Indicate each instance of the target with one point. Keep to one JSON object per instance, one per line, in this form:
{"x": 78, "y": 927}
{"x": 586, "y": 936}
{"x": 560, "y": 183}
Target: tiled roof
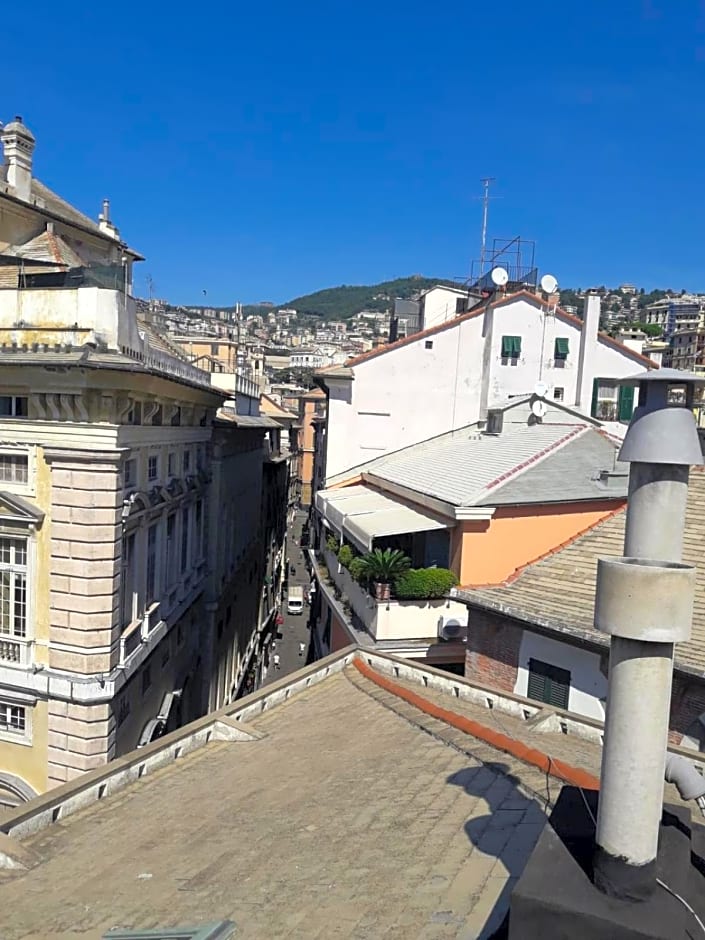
{"x": 46, "y": 198}
{"x": 558, "y": 591}
{"x": 478, "y": 311}
{"x": 468, "y": 468}
{"x": 47, "y": 246}
{"x": 160, "y": 341}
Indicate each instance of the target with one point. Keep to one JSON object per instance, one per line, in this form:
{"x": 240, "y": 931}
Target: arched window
{"x": 14, "y": 791}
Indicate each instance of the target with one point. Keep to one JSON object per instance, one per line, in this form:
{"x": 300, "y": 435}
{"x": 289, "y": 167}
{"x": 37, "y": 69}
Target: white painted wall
{"x": 410, "y": 393}
{"x": 587, "y": 684}
{"x": 440, "y": 305}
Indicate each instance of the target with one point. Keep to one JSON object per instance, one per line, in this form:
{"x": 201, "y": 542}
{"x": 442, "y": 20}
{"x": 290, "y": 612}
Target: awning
{"x": 363, "y": 514}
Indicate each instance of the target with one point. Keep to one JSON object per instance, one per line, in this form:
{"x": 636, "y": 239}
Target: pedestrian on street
{"x": 302, "y": 649}
{"x": 276, "y": 661}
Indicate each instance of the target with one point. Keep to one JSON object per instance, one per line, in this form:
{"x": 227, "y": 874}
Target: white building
{"x": 447, "y": 377}
{"x": 442, "y": 303}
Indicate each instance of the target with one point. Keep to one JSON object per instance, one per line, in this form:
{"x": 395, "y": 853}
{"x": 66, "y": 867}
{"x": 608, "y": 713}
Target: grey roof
{"x": 46, "y": 198}
{"x": 572, "y": 472}
{"x": 469, "y": 468}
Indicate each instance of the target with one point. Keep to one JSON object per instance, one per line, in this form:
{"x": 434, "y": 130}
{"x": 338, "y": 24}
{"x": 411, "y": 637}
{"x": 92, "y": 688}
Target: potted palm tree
{"x": 382, "y": 567}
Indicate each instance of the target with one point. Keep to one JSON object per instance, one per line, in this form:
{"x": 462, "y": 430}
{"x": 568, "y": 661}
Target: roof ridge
{"x": 535, "y": 458}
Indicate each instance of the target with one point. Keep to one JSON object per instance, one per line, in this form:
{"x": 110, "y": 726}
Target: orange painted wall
{"x": 489, "y": 552}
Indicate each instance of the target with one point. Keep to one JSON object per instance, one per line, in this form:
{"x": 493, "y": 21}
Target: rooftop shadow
{"x": 505, "y": 826}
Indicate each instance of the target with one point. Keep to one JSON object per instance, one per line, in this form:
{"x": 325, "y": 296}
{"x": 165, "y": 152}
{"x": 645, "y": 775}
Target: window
{"x": 128, "y": 580}
{"x": 130, "y": 473}
{"x": 185, "y": 515}
{"x": 151, "y": 563}
{"x": 560, "y": 352}
{"x": 171, "y": 550}
{"x": 146, "y": 679}
{"x": 171, "y": 465}
{"x": 13, "y": 587}
{"x": 123, "y": 710}
{"x": 13, "y": 718}
{"x": 165, "y": 651}
{"x": 548, "y": 684}
{"x": 153, "y": 468}
{"x": 511, "y": 347}
{"x": 558, "y": 393}
{"x": 199, "y": 458}
{"x": 157, "y": 417}
{"x": 605, "y": 400}
{"x": 198, "y": 531}
{"x": 13, "y": 406}
{"x": 460, "y": 304}
{"x": 176, "y": 417}
{"x": 214, "y": 349}
{"x": 428, "y": 344}
{"x": 187, "y": 461}
{"x": 13, "y": 468}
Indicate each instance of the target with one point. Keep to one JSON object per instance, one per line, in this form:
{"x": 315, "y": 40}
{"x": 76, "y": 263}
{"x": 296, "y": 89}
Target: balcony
{"x": 391, "y": 619}
{"x": 15, "y": 651}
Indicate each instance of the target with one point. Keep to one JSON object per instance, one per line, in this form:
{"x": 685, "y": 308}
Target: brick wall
{"x": 492, "y": 650}
{"x": 687, "y": 703}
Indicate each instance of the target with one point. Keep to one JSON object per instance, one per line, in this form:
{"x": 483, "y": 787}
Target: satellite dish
{"x": 538, "y": 408}
{"x": 499, "y": 276}
{"x": 548, "y": 284}
{"x": 541, "y": 389}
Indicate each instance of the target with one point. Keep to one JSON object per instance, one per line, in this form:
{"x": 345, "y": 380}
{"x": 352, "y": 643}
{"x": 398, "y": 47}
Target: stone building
{"x": 109, "y": 613}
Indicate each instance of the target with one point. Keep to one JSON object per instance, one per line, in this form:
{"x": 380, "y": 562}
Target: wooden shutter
{"x": 625, "y": 402}
{"x": 593, "y": 406}
{"x": 549, "y": 684}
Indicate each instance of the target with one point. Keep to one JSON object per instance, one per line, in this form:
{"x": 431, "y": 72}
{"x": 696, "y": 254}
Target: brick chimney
{"x": 18, "y": 146}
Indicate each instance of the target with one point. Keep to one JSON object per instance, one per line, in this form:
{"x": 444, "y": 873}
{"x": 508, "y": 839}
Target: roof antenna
{"x": 486, "y": 180}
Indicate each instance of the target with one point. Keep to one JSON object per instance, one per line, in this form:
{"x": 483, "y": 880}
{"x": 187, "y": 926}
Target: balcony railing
{"x": 15, "y": 651}
{"x": 130, "y": 641}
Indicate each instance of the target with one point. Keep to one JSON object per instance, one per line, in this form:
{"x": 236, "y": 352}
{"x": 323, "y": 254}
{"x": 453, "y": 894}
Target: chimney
{"x": 104, "y": 223}
{"x": 588, "y": 349}
{"x": 18, "y": 145}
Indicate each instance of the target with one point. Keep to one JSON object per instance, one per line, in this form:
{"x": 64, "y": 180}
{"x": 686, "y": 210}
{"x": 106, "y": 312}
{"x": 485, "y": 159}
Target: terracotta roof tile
{"x": 558, "y": 590}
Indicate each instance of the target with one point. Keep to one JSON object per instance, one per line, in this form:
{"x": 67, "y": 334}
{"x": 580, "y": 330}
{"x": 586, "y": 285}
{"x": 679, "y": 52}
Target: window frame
{"x": 510, "y": 348}
{"x": 152, "y": 478}
{"x": 556, "y": 683}
{"x": 21, "y": 735}
{"x": 15, "y": 412}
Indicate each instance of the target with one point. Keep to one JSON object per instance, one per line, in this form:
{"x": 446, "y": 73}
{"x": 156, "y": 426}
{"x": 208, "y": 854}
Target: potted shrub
{"x": 382, "y": 567}
{"x": 424, "y": 583}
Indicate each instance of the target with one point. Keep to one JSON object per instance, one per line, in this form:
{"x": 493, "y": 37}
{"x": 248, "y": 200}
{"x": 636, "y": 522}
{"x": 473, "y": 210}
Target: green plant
{"x": 424, "y": 583}
{"x": 357, "y": 570}
{"x": 384, "y": 566}
{"x": 345, "y": 555}
{"x": 332, "y": 544}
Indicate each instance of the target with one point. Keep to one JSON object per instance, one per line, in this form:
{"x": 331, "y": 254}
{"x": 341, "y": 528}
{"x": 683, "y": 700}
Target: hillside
{"x": 341, "y": 303}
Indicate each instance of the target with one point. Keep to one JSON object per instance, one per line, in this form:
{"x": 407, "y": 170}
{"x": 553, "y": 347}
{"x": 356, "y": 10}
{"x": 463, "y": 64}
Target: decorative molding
{"x": 149, "y": 409}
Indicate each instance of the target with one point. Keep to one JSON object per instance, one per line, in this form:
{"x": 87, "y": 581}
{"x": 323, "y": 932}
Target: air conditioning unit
{"x": 452, "y": 628}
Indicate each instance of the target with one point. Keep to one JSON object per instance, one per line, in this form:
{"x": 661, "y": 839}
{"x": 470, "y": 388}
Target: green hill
{"x": 341, "y": 303}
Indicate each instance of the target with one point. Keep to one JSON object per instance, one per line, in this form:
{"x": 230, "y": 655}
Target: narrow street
{"x": 294, "y": 630}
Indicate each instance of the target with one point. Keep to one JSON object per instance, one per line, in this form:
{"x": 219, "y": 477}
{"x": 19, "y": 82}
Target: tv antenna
{"x": 486, "y": 181}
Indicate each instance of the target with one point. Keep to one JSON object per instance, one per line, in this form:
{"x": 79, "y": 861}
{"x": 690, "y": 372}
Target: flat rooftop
{"x": 343, "y": 820}
{"x": 348, "y": 809}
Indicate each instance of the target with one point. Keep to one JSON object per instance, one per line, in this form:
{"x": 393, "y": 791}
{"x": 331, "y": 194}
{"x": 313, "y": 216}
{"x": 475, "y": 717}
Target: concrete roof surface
{"x": 344, "y": 819}
{"x": 559, "y": 590}
{"x": 549, "y": 462}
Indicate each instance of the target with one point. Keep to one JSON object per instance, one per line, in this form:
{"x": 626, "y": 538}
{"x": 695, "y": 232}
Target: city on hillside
{"x": 314, "y": 585}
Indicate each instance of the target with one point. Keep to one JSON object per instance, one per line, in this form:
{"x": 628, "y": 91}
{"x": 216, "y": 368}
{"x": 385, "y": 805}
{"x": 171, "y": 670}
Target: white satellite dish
{"x": 538, "y": 408}
{"x": 548, "y": 284}
{"x": 499, "y": 276}
{"x": 541, "y": 389}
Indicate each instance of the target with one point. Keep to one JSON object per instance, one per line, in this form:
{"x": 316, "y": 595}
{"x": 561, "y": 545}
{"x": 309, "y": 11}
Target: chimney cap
{"x": 18, "y": 127}
{"x": 670, "y": 376}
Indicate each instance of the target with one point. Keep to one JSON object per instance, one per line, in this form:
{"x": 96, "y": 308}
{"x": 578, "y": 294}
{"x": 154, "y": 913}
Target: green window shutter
{"x": 593, "y": 406}
{"x": 511, "y": 347}
{"x": 549, "y": 684}
{"x": 561, "y": 350}
{"x": 625, "y": 402}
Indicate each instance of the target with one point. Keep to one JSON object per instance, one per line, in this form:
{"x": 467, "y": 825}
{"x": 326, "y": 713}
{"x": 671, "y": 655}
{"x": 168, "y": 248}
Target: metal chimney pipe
{"x": 645, "y": 601}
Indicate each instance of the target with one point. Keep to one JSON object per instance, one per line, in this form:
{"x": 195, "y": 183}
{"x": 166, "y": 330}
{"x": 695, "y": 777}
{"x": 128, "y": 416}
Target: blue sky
{"x": 261, "y": 151}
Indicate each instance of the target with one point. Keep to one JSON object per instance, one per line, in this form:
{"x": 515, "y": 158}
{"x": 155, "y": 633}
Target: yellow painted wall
{"x": 489, "y": 552}
{"x": 29, "y": 763}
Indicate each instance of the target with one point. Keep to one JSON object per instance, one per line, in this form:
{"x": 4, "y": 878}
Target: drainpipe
{"x": 645, "y": 601}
